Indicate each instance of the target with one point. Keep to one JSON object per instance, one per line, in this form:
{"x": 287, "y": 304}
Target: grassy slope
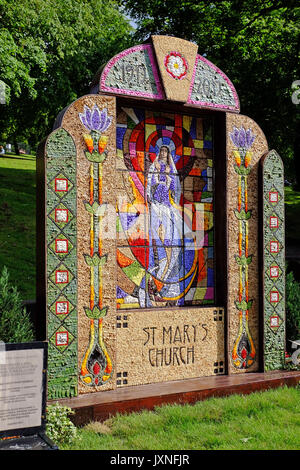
{"x": 260, "y": 421}
{"x": 17, "y": 221}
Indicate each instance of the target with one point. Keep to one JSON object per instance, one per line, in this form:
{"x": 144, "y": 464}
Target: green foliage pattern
{"x": 49, "y": 52}
{"x": 15, "y": 324}
{"x": 59, "y": 427}
{"x": 292, "y": 308}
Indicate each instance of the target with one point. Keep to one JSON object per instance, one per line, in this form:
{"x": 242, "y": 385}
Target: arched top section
{"x": 60, "y": 144}
{"x": 169, "y": 68}
{"x": 133, "y": 72}
{"x": 272, "y": 161}
{"x": 211, "y": 88}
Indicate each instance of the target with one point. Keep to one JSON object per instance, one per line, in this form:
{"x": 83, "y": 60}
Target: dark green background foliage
{"x": 49, "y": 51}
{"x": 292, "y": 308}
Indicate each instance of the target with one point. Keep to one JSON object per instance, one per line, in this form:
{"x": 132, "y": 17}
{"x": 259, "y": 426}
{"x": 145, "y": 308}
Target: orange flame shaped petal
{"x": 102, "y": 143}
{"x": 88, "y": 142}
{"x": 248, "y": 158}
{"x": 237, "y": 158}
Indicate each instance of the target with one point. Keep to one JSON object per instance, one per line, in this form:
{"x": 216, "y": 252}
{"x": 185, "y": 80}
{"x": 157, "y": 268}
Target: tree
{"x": 15, "y": 323}
{"x": 49, "y": 52}
{"x": 256, "y": 43}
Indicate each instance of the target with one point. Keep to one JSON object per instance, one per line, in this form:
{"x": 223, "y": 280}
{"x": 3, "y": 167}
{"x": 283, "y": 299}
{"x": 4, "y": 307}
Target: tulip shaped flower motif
{"x": 96, "y": 122}
{"x": 243, "y": 352}
{"x": 242, "y": 140}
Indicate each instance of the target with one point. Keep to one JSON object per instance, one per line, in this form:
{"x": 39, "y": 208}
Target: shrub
{"x": 292, "y": 308}
{"x": 15, "y": 324}
{"x": 59, "y": 427}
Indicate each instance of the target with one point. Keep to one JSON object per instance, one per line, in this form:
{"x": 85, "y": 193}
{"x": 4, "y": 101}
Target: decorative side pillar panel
{"x": 273, "y": 260}
{"x": 129, "y": 210}
{"x": 91, "y": 121}
{"x": 246, "y": 144}
{"x": 61, "y": 263}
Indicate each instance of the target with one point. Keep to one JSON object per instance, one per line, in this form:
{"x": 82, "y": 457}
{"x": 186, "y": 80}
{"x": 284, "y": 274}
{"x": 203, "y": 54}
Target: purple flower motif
{"x": 242, "y": 138}
{"x": 94, "y": 119}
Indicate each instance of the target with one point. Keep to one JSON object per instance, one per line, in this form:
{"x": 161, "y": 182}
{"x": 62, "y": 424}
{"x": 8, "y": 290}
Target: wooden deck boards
{"x": 100, "y": 405}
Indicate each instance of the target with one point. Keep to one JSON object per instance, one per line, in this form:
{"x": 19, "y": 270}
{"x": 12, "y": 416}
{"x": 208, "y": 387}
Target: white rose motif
{"x": 176, "y": 65}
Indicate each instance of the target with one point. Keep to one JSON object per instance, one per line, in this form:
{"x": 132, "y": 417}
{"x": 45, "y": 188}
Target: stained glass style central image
{"x": 164, "y": 186}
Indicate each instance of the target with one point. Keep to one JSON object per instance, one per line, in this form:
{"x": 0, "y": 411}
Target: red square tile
{"x": 61, "y": 277}
{"x": 61, "y": 338}
{"x": 61, "y": 184}
{"x": 61, "y": 245}
{"x": 273, "y": 196}
{"x": 61, "y": 215}
{"x": 62, "y": 307}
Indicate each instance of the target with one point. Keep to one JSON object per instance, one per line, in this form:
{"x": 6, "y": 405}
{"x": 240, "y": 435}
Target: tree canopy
{"x": 256, "y": 43}
{"x": 49, "y": 51}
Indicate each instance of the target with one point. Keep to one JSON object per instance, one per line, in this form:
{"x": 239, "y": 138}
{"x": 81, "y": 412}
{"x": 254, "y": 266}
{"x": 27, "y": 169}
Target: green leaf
{"x": 96, "y": 312}
{"x": 88, "y": 312}
{"x": 244, "y": 305}
{"x": 241, "y": 305}
{"x": 242, "y": 215}
{"x": 96, "y": 157}
{"x": 100, "y": 211}
{"x": 88, "y": 207}
{"x": 95, "y": 260}
{"x": 242, "y": 170}
{"x": 95, "y": 208}
{"x": 243, "y": 260}
{"x": 88, "y": 260}
{"x": 102, "y": 260}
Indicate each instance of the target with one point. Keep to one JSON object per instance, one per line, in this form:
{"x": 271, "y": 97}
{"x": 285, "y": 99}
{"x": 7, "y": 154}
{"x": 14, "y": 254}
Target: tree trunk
{"x": 297, "y": 156}
{"x": 16, "y": 146}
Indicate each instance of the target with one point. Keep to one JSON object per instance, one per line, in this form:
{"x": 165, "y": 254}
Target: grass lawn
{"x": 17, "y": 221}
{"x": 260, "y": 421}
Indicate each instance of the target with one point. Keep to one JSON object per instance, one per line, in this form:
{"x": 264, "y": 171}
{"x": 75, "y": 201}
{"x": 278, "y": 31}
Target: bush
{"x": 15, "y": 324}
{"x": 292, "y": 308}
{"x": 59, "y": 427}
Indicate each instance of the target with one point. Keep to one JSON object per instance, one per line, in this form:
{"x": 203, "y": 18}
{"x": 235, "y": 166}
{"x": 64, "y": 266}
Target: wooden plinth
{"x": 99, "y": 406}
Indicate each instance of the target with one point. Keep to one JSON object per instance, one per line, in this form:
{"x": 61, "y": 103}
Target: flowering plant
{"x": 243, "y": 140}
{"x": 176, "y": 65}
{"x": 96, "y": 122}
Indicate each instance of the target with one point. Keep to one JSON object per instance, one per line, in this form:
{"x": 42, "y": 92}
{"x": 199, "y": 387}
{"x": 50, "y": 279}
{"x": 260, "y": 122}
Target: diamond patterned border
{"x": 273, "y": 260}
{"x": 61, "y": 236}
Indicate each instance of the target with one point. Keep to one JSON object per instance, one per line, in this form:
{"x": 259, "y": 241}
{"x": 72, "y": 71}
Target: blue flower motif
{"x": 242, "y": 138}
{"x": 94, "y": 119}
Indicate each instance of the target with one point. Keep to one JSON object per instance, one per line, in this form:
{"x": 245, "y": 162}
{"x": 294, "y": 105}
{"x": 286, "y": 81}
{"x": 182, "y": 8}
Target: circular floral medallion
{"x": 176, "y": 65}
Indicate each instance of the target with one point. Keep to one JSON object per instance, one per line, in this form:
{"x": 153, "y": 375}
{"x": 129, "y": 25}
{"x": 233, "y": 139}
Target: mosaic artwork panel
{"x": 169, "y": 345}
{"x": 210, "y": 87}
{"x": 243, "y": 354}
{"x": 133, "y": 72}
{"x": 61, "y": 268}
{"x": 131, "y": 214}
{"x": 274, "y": 261}
{"x": 165, "y": 209}
{"x": 96, "y": 365}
